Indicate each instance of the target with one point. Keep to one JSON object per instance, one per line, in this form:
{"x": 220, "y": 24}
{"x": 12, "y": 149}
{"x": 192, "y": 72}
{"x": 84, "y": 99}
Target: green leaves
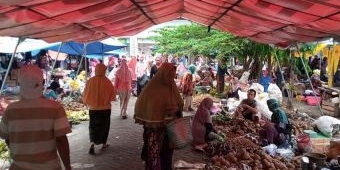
{"x": 194, "y": 39}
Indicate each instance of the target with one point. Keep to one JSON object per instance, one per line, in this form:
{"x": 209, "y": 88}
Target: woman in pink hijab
{"x": 122, "y": 85}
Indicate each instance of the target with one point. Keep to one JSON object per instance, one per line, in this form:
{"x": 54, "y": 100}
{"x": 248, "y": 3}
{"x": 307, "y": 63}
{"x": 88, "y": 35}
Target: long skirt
{"x": 220, "y": 84}
{"x": 99, "y": 126}
{"x": 187, "y": 102}
{"x": 156, "y": 151}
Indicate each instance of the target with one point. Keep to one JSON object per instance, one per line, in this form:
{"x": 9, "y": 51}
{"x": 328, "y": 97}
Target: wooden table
{"x": 328, "y": 107}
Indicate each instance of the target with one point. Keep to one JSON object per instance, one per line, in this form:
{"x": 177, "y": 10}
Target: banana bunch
{"x": 4, "y": 152}
{"x": 77, "y": 116}
{"x": 74, "y": 85}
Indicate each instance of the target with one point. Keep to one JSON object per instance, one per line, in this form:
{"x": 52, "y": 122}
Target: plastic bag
{"x": 325, "y": 124}
{"x": 257, "y": 87}
{"x": 303, "y": 143}
{"x": 244, "y": 78}
{"x": 274, "y": 92}
{"x": 262, "y": 107}
{"x": 285, "y": 153}
{"x": 270, "y": 149}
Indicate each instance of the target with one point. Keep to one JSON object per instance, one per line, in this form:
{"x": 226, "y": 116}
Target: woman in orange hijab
{"x": 98, "y": 94}
{"x": 159, "y": 103}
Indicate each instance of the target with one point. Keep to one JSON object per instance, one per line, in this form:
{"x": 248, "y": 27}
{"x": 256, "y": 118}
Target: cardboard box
{"x": 329, "y": 108}
{"x": 320, "y": 145}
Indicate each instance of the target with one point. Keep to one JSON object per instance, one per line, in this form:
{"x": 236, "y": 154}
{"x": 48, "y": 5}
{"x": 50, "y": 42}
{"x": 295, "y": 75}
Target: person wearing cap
{"x": 97, "y": 95}
{"x": 35, "y": 128}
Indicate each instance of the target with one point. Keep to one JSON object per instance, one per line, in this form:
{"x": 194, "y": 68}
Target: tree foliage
{"x": 193, "y": 40}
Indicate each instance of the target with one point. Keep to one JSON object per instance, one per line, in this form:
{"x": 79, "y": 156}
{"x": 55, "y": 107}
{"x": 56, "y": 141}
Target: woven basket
{"x": 179, "y": 132}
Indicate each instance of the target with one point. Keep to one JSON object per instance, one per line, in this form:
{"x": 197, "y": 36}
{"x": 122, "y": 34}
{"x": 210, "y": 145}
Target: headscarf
{"x": 278, "y": 116}
{"x": 273, "y": 104}
{"x": 316, "y": 72}
{"x": 159, "y": 94}
{"x": 205, "y": 105}
{"x": 187, "y": 83}
{"x": 200, "y": 119}
{"x": 192, "y": 69}
{"x": 124, "y": 72}
{"x": 132, "y": 64}
{"x": 99, "y": 91}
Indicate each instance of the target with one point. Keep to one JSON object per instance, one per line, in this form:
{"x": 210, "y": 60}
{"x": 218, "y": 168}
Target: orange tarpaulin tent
{"x": 280, "y": 22}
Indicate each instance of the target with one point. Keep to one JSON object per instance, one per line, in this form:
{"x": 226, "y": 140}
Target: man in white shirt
{"x": 141, "y": 73}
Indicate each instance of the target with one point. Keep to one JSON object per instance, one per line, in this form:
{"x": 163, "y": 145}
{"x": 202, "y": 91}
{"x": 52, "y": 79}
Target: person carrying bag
{"x": 158, "y": 104}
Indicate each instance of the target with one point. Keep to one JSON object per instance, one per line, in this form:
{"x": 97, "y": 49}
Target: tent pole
{"x": 48, "y": 78}
{"x": 81, "y": 61}
{"x": 283, "y": 78}
{"x": 331, "y": 71}
{"x": 82, "y": 57}
{"x": 86, "y": 70}
{"x": 85, "y": 64}
{"x": 10, "y": 63}
{"x": 310, "y": 82}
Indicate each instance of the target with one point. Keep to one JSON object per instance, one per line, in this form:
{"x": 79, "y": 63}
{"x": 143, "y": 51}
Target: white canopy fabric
{"x": 7, "y": 45}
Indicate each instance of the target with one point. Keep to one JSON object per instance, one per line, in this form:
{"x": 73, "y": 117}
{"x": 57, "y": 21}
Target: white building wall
{"x": 139, "y": 43}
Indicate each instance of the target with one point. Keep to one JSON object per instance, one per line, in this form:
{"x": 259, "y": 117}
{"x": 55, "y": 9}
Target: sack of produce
{"x": 274, "y": 92}
{"x": 325, "y": 124}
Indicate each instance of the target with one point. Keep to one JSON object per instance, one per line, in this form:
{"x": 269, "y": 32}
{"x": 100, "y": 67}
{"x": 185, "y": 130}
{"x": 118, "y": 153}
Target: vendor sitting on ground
{"x": 269, "y": 135}
{"x": 247, "y": 108}
{"x": 316, "y": 81}
{"x": 51, "y": 91}
{"x": 234, "y": 88}
{"x": 280, "y": 121}
{"x": 203, "y": 131}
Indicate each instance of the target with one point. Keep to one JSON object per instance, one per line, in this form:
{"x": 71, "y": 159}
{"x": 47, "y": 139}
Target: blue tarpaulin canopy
{"x": 98, "y": 47}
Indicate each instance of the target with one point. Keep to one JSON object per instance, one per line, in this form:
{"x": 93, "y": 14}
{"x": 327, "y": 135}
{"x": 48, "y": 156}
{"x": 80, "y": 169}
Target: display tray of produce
{"x": 197, "y": 99}
{"x": 76, "y": 112}
{"x": 242, "y": 149}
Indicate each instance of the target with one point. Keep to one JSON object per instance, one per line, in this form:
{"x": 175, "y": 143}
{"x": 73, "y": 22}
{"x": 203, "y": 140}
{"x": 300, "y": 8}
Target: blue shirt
{"x": 265, "y": 81}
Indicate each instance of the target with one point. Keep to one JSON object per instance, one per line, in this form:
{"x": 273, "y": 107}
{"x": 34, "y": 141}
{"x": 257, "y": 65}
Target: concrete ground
{"x": 125, "y": 141}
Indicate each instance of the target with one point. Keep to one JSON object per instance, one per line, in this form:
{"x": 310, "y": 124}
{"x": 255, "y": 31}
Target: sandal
{"x": 105, "y": 146}
{"x": 91, "y": 151}
{"x": 124, "y": 117}
{"x": 199, "y": 149}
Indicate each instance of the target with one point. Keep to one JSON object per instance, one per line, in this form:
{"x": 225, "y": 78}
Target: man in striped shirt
{"x": 35, "y": 128}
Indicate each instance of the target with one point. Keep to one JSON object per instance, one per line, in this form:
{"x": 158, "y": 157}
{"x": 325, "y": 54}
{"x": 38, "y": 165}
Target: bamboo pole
{"x": 10, "y": 63}
{"x": 48, "y": 78}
